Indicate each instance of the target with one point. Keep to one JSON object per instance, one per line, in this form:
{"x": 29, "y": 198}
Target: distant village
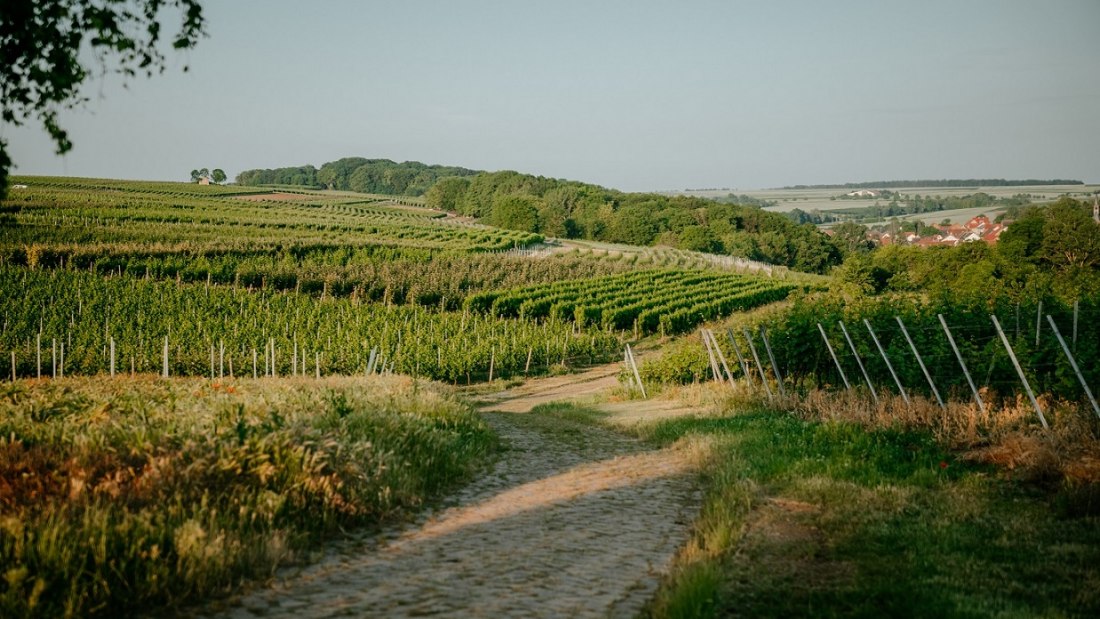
{"x": 977, "y": 229}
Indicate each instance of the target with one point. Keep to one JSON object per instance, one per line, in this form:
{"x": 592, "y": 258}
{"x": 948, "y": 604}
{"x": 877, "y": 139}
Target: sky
{"x": 636, "y": 95}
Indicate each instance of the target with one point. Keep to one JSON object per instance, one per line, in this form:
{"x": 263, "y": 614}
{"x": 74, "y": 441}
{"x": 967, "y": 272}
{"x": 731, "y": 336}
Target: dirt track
{"x": 572, "y": 521}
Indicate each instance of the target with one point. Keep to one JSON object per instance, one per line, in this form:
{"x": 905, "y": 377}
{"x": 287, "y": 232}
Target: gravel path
{"x": 572, "y": 521}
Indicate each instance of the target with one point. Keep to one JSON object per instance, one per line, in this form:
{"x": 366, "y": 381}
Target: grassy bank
{"x": 833, "y": 518}
{"x": 132, "y": 494}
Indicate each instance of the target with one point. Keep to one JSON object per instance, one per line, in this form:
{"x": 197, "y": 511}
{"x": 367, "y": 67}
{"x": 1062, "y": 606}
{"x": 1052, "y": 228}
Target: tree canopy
{"x": 383, "y": 176}
{"x": 571, "y": 209}
{"x": 41, "y": 44}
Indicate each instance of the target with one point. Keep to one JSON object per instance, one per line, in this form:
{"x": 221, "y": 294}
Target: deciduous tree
{"x": 44, "y": 56}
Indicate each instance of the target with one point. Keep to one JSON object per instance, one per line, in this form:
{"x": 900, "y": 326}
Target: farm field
{"x": 259, "y": 341}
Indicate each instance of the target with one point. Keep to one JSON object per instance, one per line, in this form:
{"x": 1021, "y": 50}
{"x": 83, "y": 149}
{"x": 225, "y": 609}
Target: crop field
{"x": 124, "y": 277}
{"x": 644, "y": 301}
{"x": 52, "y": 213}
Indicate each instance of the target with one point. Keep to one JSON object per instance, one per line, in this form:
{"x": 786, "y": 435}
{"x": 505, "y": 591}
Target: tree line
{"x": 574, "y": 210}
{"x": 384, "y": 176}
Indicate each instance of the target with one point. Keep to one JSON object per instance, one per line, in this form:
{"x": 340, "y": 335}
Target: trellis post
{"x": 1020, "y": 371}
{"x": 832, "y": 354}
{"x": 889, "y": 366}
{"x": 859, "y": 362}
{"x": 962, "y": 363}
{"x": 1073, "y": 363}
{"x": 756, "y": 357}
{"x": 771, "y": 357}
{"x": 920, "y": 362}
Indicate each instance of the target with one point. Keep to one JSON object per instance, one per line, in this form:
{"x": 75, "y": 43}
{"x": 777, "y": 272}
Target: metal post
{"x": 710, "y": 355}
{"x": 889, "y": 365}
{"x": 832, "y": 354}
{"x": 626, "y": 363}
{"x": 1020, "y": 371}
{"x": 859, "y": 362}
{"x": 756, "y": 357}
{"x": 740, "y": 358}
{"x": 1038, "y": 322}
{"x": 1073, "y": 363}
{"x": 637, "y": 375}
{"x": 966, "y": 372}
{"x": 920, "y": 362}
{"x": 771, "y": 357}
{"x": 165, "y": 364}
{"x": 1076, "y": 304}
{"x": 721, "y": 356}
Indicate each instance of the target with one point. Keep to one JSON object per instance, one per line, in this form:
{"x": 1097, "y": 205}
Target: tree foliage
{"x": 571, "y": 209}
{"x": 383, "y": 176}
{"x": 41, "y": 43}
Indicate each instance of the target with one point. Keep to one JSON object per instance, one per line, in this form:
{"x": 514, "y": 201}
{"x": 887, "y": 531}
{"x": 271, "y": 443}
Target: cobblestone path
{"x": 572, "y": 521}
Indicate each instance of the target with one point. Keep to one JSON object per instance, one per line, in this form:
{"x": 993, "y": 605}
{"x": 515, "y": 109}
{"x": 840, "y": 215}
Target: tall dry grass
{"x": 125, "y": 494}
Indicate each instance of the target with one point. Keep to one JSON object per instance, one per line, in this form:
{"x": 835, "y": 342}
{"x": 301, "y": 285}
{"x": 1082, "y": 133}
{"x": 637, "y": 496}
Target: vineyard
{"x": 60, "y": 218}
{"x": 942, "y": 349}
{"x": 645, "y": 302}
{"x": 223, "y": 331}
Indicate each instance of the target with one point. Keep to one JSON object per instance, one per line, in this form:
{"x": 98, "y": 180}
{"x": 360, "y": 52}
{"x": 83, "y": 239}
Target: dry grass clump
{"x": 120, "y": 494}
{"x": 1007, "y": 433}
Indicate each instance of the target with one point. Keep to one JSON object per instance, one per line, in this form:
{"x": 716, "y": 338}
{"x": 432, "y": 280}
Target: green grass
{"x": 125, "y": 495}
{"x": 832, "y": 520}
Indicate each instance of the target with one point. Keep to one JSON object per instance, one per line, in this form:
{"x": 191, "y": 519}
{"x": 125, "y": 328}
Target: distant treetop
{"x": 383, "y": 176}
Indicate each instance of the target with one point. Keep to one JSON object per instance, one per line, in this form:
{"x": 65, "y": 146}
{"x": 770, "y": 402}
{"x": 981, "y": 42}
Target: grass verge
{"x": 835, "y": 519}
{"x": 119, "y": 495}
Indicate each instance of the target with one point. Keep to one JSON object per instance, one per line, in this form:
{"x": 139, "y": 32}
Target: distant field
{"x": 822, "y": 199}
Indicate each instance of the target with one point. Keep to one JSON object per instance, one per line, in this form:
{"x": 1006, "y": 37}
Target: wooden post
{"x": 492, "y": 361}
{"x": 859, "y": 362}
{"x": 920, "y": 362}
{"x": 1020, "y": 371}
{"x": 710, "y": 355}
{"x": 889, "y": 365}
{"x": 294, "y": 359}
{"x": 1073, "y": 363}
{"x": 164, "y": 367}
{"x": 771, "y": 357}
{"x": 527, "y": 366}
{"x": 317, "y": 364}
{"x": 637, "y": 374}
{"x": 740, "y": 358}
{"x": 832, "y": 354}
{"x": 759, "y": 366}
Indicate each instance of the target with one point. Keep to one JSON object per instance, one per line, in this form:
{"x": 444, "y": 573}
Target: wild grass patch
{"x": 126, "y": 494}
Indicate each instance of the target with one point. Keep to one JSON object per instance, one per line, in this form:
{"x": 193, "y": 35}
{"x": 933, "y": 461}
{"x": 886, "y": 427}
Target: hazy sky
{"x": 635, "y": 95}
